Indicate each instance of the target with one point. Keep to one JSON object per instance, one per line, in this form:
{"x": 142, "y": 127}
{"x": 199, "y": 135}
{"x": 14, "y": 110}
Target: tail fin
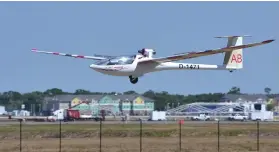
{"x": 234, "y": 60}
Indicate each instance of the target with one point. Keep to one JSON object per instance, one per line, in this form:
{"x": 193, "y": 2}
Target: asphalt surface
{"x": 3, "y": 122}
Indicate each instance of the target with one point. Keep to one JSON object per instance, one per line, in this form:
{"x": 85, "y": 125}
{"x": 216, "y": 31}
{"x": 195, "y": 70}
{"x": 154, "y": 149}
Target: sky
{"x": 122, "y": 28}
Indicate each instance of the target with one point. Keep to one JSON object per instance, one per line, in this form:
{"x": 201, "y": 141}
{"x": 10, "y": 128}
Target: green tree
{"x": 130, "y": 92}
{"x": 33, "y": 100}
{"x": 267, "y": 90}
{"x": 270, "y": 106}
{"x": 234, "y": 90}
{"x": 53, "y": 92}
{"x": 82, "y": 91}
{"x": 13, "y": 99}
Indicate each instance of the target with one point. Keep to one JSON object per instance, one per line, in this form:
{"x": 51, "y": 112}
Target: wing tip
{"x": 268, "y": 41}
{"x": 34, "y": 50}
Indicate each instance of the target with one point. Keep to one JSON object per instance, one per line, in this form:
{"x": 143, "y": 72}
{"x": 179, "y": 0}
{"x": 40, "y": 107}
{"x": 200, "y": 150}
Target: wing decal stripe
{"x": 80, "y": 56}
{"x": 69, "y": 55}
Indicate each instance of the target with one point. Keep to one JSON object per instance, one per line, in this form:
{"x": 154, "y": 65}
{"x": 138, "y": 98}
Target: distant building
{"x": 276, "y": 104}
{"x": 244, "y": 98}
{"x": 252, "y": 98}
{"x": 133, "y": 104}
{"x": 3, "y": 110}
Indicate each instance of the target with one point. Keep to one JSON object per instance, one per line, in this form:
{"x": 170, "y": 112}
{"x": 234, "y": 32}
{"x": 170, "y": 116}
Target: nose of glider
{"x": 92, "y": 66}
{"x": 96, "y": 68}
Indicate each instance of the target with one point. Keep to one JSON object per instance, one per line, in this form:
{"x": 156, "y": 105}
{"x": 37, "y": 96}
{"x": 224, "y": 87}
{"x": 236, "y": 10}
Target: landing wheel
{"x": 133, "y": 80}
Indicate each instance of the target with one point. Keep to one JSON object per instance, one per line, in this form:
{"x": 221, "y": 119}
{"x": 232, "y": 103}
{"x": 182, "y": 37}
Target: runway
{"x": 4, "y": 123}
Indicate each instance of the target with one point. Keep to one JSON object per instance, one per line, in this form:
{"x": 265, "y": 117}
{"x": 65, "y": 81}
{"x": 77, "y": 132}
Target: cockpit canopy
{"x": 120, "y": 60}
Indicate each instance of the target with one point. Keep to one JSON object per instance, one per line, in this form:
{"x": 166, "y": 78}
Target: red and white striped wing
{"x": 69, "y": 55}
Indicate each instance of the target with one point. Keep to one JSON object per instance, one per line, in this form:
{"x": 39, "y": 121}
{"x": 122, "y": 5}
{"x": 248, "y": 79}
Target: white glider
{"x": 135, "y": 66}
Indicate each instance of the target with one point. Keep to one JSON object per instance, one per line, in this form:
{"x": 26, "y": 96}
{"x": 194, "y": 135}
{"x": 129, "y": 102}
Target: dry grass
{"x": 128, "y": 144}
{"x": 125, "y": 138}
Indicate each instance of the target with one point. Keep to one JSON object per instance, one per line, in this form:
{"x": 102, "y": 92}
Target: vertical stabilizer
{"x": 233, "y": 60}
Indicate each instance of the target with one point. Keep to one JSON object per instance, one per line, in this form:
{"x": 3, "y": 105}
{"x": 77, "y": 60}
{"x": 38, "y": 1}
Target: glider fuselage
{"x": 138, "y": 69}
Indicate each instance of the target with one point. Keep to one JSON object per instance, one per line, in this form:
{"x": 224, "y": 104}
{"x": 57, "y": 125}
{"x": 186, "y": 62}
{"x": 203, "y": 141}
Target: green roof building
{"x": 133, "y": 104}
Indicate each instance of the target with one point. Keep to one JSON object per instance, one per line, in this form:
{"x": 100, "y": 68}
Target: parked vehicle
{"x": 65, "y": 115}
{"x": 157, "y": 116}
{"x": 262, "y": 116}
{"x": 201, "y": 117}
{"x": 70, "y": 115}
{"x": 238, "y": 117}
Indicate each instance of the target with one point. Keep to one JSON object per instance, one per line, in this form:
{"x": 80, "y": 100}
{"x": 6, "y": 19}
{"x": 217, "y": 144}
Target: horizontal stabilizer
{"x": 232, "y": 36}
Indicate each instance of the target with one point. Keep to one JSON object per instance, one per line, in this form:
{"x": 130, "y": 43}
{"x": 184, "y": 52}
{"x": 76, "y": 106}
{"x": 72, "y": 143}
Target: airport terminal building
{"x": 132, "y": 104}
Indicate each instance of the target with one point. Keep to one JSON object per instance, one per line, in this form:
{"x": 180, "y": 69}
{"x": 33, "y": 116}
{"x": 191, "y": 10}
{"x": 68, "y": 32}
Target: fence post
{"x": 20, "y": 134}
{"x": 258, "y": 135}
{"x": 101, "y": 135}
{"x": 218, "y": 128}
{"x": 140, "y": 135}
{"x": 180, "y": 135}
{"x": 180, "y": 122}
{"x": 60, "y": 135}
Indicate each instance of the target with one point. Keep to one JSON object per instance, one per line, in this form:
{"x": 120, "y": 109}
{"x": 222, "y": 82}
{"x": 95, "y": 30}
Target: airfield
{"x": 87, "y": 122}
{"x": 118, "y": 136}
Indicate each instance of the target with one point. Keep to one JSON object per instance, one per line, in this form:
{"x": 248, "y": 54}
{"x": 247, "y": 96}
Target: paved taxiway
{"x": 135, "y": 122}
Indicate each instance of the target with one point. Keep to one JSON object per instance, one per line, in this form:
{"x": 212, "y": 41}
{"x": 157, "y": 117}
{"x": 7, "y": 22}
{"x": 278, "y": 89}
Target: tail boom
{"x": 187, "y": 66}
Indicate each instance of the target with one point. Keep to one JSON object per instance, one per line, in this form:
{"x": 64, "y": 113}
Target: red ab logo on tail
{"x": 236, "y": 58}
